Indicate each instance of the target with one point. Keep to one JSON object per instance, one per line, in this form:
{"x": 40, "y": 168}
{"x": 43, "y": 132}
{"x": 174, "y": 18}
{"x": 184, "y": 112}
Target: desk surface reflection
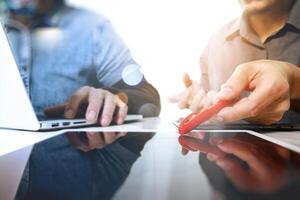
{"x": 160, "y": 166}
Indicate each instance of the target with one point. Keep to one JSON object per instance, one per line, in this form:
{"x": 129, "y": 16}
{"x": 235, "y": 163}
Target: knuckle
{"x": 115, "y": 98}
{"x": 254, "y": 108}
{"x": 283, "y": 89}
{"x": 81, "y": 92}
{"x": 109, "y": 96}
{"x": 86, "y": 88}
{"x": 273, "y": 88}
{"x": 75, "y": 96}
{"x": 99, "y": 90}
{"x": 92, "y": 90}
{"x": 97, "y": 94}
{"x": 228, "y": 118}
{"x": 106, "y": 92}
{"x": 93, "y": 94}
{"x": 254, "y": 112}
{"x": 241, "y": 68}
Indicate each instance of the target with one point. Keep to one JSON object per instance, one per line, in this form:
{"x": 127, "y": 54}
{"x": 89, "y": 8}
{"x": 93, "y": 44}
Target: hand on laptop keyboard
{"x": 102, "y": 106}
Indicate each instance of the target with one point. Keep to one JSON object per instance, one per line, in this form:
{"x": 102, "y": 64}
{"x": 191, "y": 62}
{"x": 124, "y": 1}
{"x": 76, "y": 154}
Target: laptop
{"x": 16, "y": 111}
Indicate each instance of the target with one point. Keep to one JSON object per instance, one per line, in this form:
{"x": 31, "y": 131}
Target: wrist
{"x": 294, "y": 83}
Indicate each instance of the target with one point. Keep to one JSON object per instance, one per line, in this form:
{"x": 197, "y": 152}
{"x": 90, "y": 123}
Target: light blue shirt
{"x": 74, "y": 48}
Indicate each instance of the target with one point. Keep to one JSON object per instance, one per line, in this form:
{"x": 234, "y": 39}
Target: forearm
{"x": 141, "y": 99}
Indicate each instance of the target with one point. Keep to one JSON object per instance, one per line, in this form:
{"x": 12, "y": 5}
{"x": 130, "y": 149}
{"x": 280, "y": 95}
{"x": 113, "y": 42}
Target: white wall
{"x": 166, "y": 37}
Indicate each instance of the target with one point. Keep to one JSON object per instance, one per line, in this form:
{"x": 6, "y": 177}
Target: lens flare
{"x": 132, "y": 75}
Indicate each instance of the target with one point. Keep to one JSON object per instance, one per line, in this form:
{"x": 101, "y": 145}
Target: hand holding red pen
{"x": 270, "y": 84}
{"x": 273, "y": 85}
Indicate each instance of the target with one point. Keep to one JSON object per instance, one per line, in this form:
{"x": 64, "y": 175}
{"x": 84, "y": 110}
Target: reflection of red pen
{"x": 199, "y": 144}
{"x": 195, "y": 119}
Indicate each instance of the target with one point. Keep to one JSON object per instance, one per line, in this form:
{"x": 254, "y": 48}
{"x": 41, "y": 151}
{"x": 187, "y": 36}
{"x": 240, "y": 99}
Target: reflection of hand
{"x": 194, "y": 141}
{"x": 101, "y": 105}
{"x": 91, "y": 140}
{"x": 266, "y": 167}
{"x": 269, "y": 83}
{"x": 194, "y": 96}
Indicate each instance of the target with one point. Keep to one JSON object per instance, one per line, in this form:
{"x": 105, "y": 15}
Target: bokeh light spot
{"x": 132, "y": 75}
{"x": 149, "y": 110}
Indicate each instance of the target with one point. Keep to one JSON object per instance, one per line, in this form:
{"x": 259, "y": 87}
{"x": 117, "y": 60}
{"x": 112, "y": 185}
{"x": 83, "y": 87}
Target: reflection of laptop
{"x": 16, "y": 111}
{"x": 12, "y": 166}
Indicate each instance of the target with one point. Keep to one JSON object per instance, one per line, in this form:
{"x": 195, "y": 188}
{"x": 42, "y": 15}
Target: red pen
{"x": 195, "y": 119}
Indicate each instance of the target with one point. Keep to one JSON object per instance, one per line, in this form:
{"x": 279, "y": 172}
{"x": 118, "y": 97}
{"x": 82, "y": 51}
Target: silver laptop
{"x": 16, "y": 111}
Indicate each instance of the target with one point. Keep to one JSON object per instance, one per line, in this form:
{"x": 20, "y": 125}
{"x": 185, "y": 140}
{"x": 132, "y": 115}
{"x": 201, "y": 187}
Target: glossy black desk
{"x": 161, "y": 166}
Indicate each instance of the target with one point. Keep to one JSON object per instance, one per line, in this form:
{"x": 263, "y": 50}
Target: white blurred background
{"x": 166, "y": 37}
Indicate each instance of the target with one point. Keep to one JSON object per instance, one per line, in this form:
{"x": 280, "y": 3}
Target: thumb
{"x": 187, "y": 80}
{"x": 237, "y": 82}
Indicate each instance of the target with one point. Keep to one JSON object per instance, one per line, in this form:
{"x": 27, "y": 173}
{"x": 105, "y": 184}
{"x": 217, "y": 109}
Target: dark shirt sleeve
{"x": 112, "y": 58}
{"x": 141, "y": 99}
